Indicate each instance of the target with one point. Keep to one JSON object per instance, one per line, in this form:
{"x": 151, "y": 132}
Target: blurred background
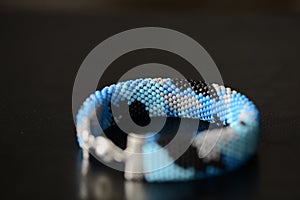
{"x": 226, "y": 6}
{"x": 255, "y": 44}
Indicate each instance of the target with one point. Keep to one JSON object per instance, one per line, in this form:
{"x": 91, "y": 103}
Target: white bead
{"x": 102, "y": 145}
{"x": 85, "y": 135}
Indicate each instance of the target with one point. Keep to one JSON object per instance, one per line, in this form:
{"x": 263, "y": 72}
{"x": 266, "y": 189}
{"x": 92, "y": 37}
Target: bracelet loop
{"x": 232, "y": 141}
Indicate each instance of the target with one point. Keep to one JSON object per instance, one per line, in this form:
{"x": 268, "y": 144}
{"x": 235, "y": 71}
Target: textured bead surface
{"x": 165, "y": 97}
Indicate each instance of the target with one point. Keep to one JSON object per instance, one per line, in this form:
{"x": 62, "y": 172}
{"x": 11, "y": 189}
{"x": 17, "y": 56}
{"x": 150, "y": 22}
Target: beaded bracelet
{"x": 150, "y": 98}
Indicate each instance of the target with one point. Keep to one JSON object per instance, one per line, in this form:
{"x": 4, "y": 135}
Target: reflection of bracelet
{"x": 147, "y": 98}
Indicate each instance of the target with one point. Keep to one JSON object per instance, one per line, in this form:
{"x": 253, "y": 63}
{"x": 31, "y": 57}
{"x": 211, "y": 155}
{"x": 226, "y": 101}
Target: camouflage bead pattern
{"x": 166, "y": 97}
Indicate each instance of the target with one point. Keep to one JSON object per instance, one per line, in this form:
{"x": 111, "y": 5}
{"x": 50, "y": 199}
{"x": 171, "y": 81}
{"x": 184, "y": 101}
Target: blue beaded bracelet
{"x": 147, "y": 98}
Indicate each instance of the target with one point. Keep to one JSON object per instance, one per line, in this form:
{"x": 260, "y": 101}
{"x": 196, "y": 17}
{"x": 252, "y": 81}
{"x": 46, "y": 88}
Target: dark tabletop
{"x": 41, "y": 53}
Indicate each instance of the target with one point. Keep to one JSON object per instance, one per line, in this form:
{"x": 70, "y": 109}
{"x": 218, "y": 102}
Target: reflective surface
{"x": 41, "y": 52}
{"x": 102, "y": 183}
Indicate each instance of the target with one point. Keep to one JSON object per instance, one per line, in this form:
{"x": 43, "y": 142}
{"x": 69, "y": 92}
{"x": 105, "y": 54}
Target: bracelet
{"x": 235, "y": 132}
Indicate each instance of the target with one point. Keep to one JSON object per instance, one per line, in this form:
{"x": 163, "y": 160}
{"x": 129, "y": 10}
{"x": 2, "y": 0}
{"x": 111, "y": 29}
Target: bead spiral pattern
{"x": 166, "y": 97}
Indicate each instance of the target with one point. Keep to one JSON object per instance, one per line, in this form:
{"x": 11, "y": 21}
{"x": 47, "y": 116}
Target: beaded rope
{"x": 166, "y": 97}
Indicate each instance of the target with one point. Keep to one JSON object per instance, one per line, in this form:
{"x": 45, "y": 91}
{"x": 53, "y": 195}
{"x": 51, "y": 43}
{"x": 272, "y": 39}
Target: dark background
{"x": 42, "y": 44}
